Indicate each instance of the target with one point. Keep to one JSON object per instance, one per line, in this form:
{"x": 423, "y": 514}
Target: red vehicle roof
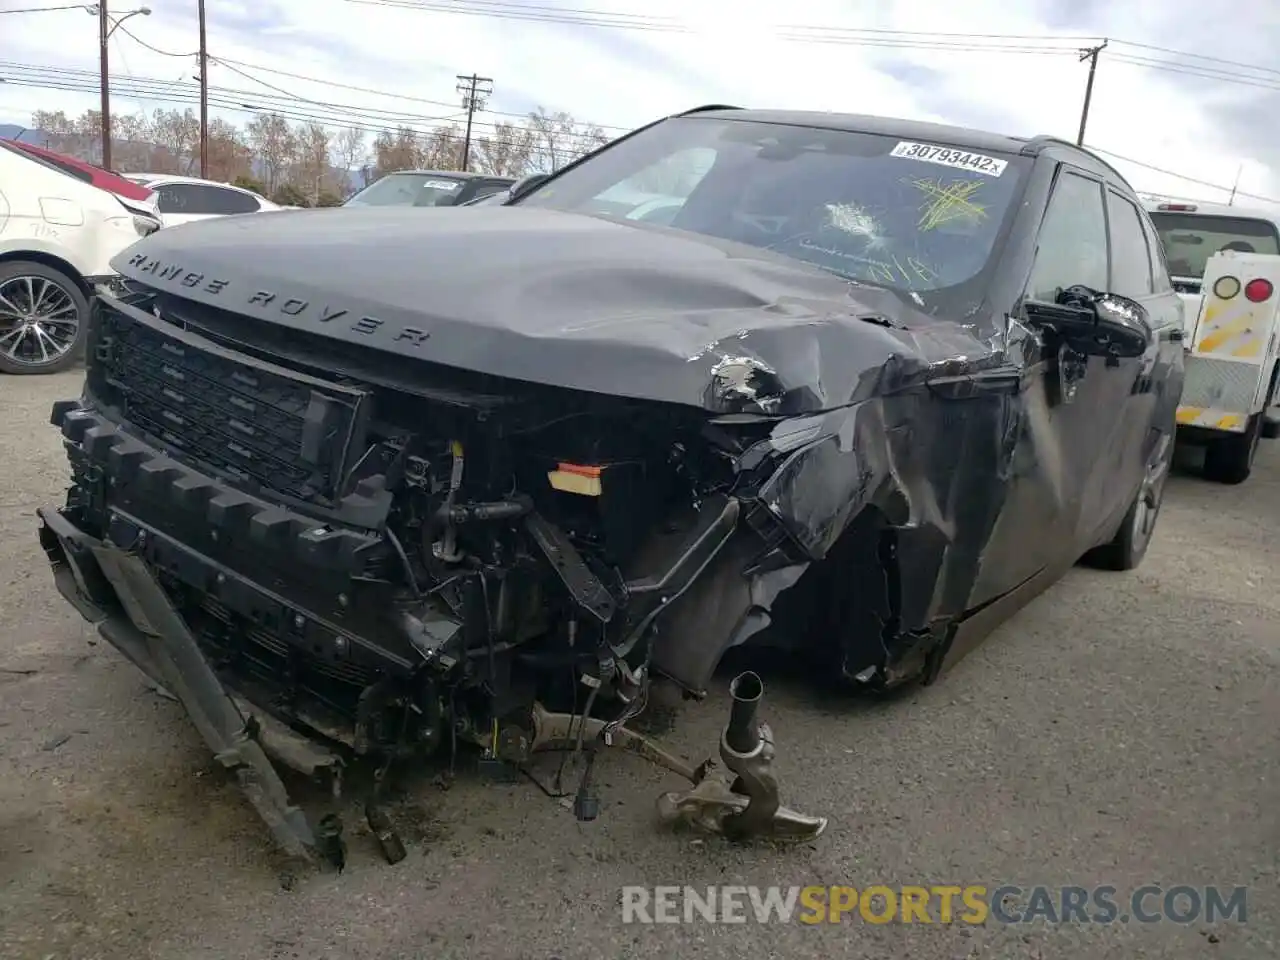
{"x": 87, "y": 172}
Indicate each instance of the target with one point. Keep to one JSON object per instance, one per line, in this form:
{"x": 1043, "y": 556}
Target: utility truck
{"x": 1224, "y": 262}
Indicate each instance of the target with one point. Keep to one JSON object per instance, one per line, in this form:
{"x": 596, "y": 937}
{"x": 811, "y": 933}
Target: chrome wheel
{"x": 39, "y": 320}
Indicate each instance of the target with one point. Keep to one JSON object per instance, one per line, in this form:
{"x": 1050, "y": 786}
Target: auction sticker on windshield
{"x": 949, "y": 157}
{"x": 441, "y": 185}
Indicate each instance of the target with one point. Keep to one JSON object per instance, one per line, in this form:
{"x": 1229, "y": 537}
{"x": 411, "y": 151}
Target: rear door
{"x": 1133, "y": 413}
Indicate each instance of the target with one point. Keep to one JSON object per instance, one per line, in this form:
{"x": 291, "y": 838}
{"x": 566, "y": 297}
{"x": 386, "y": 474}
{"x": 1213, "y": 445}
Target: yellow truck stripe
{"x": 1214, "y": 419}
{"x": 1222, "y": 334}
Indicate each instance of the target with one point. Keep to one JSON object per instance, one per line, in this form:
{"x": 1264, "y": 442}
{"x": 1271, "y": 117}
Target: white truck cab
{"x": 1224, "y": 262}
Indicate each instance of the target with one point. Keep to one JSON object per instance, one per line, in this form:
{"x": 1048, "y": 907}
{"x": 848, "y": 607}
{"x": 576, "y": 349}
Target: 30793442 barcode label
{"x": 949, "y": 157}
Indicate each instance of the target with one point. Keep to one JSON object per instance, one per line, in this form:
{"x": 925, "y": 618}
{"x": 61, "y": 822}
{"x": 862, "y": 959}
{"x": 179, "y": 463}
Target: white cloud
{"x": 734, "y": 53}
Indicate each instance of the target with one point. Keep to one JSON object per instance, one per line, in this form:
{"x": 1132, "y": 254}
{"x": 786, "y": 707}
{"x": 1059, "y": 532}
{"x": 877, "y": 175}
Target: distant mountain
{"x": 11, "y": 131}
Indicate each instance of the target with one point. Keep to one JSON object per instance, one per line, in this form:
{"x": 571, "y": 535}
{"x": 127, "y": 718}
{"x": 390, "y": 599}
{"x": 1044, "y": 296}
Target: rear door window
{"x": 1130, "y": 258}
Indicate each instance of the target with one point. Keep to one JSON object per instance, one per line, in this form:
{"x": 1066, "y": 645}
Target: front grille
{"x": 262, "y": 426}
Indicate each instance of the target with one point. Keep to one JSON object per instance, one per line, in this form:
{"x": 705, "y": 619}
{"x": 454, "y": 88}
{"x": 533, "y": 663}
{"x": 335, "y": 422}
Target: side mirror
{"x": 526, "y": 185}
{"x": 1093, "y": 323}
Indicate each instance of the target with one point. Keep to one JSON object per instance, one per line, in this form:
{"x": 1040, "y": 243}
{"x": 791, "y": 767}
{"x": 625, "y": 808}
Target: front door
{"x": 1061, "y": 426}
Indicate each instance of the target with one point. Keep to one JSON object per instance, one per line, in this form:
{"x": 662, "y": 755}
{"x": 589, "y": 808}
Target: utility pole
{"x": 204, "y": 99}
{"x": 1091, "y": 54}
{"x": 475, "y": 90}
{"x": 104, "y": 34}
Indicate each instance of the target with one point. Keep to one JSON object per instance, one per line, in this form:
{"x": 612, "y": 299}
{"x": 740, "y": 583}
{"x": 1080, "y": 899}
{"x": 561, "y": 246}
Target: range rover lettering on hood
{"x": 266, "y": 301}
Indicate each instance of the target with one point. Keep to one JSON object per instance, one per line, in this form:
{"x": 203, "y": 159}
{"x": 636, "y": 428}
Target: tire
{"x": 1270, "y": 429}
{"x": 1129, "y": 545}
{"x": 44, "y": 319}
{"x": 1230, "y": 460}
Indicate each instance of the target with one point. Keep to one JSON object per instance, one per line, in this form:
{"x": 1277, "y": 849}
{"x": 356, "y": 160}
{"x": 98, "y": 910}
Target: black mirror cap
{"x": 1094, "y": 323}
{"x": 1124, "y": 325}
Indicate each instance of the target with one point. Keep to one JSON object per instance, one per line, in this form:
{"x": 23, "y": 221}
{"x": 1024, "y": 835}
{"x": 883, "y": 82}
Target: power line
{"x": 233, "y": 99}
{"x": 384, "y": 93}
{"x": 69, "y": 6}
{"x": 31, "y": 76}
{"x": 164, "y": 53}
{"x": 1198, "y": 56}
{"x": 1180, "y": 176}
{"x": 574, "y": 140}
{"x": 1194, "y": 70}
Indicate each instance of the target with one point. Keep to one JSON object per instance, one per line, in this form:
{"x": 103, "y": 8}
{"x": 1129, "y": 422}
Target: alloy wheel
{"x": 39, "y": 320}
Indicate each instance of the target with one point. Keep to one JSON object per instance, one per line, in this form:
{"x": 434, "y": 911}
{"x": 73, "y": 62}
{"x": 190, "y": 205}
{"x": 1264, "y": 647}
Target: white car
{"x": 58, "y": 235}
{"x": 184, "y": 199}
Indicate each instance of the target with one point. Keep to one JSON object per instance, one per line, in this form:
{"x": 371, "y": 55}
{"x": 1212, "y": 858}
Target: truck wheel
{"x": 1230, "y": 460}
{"x": 43, "y": 318}
{"x": 1271, "y": 428}
{"x": 1129, "y": 545}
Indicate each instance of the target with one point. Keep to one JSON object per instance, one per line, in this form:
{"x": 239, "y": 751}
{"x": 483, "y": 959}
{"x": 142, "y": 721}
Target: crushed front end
{"x": 326, "y": 558}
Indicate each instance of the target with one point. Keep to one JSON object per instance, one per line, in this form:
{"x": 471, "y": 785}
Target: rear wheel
{"x": 43, "y": 318}
{"x": 1129, "y": 545}
{"x": 1230, "y": 460}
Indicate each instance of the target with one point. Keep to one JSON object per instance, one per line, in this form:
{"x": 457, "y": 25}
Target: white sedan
{"x": 184, "y": 199}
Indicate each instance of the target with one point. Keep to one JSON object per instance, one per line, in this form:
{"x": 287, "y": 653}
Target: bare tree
{"x": 351, "y": 150}
{"x": 396, "y": 150}
{"x": 274, "y": 146}
{"x": 312, "y": 162}
{"x": 60, "y": 132}
{"x": 558, "y": 139}
{"x": 270, "y": 151}
{"x": 229, "y": 155}
{"x": 177, "y": 134}
{"x": 507, "y": 153}
{"x": 442, "y": 150}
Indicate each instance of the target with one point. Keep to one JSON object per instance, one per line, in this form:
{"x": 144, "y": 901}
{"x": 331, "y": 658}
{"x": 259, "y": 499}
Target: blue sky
{"x": 1170, "y": 112}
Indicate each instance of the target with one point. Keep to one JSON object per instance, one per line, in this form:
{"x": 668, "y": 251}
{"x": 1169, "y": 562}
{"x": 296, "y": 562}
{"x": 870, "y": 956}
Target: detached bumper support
{"x": 154, "y": 636}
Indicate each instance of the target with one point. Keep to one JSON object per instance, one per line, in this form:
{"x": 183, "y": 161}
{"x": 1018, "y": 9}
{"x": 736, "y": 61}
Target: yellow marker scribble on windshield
{"x": 948, "y": 202}
{"x": 896, "y": 271}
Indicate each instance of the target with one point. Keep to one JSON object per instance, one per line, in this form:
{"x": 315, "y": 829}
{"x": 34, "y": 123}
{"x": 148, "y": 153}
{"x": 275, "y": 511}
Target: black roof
{"x": 918, "y": 130}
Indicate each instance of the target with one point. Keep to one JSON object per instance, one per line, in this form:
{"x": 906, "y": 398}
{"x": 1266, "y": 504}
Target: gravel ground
{"x": 1123, "y": 729}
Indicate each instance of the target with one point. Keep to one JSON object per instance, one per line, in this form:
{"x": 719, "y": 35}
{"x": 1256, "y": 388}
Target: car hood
{"x": 564, "y": 300}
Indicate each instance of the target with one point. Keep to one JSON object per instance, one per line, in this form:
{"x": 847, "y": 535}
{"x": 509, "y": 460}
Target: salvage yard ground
{"x": 1124, "y": 729}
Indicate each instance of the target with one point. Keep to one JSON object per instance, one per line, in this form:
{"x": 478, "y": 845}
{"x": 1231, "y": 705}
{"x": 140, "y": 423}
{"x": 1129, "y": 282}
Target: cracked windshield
{"x": 915, "y": 218}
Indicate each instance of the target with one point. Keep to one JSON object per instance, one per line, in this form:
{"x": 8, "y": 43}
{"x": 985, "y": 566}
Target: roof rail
{"x": 708, "y": 106}
{"x": 1035, "y": 144}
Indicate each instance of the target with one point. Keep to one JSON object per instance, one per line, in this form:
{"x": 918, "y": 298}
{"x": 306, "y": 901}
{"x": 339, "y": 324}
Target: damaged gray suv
{"x": 389, "y": 483}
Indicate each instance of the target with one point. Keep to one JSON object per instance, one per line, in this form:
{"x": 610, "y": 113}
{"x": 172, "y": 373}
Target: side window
{"x": 172, "y": 198}
{"x": 233, "y": 201}
{"x": 1159, "y": 264}
{"x": 1130, "y": 256}
{"x": 1072, "y": 247}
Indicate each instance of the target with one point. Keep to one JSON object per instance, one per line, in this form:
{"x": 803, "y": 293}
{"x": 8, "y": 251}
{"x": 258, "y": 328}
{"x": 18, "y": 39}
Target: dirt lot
{"x": 1125, "y": 729}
